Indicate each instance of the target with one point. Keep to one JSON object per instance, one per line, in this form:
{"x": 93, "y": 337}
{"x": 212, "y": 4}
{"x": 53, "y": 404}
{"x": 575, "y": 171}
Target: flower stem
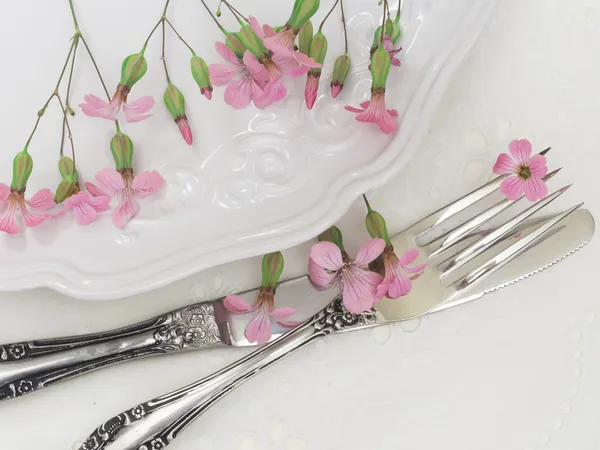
{"x": 164, "y": 60}
{"x": 398, "y": 12}
{"x": 179, "y": 36}
{"x": 328, "y": 14}
{"x": 74, "y": 16}
{"x": 385, "y": 4}
{"x": 234, "y": 11}
{"x": 166, "y": 6}
{"x": 70, "y": 135}
{"x": 367, "y": 203}
{"x": 345, "y": 30}
{"x": 225, "y": 32}
{"x": 67, "y": 100}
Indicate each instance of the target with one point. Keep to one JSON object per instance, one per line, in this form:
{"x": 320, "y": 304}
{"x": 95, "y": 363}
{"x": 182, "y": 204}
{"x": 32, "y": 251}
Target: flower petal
{"x": 84, "y": 214}
{"x": 360, "y": 289}
{"x": 5, "y": 192}
{"x": 256, "y": 69}
{"x": 100, "y": 203}
{"x": 227, "y": 54}
{"x": 8, "y": 222}
{"x": 94, "y": 190}
{"x": 320, "y": 276}
{"x": 299, "y": 71}
{"x": 110, "y": 181}
{"x": 185, "y": 130}
{"x": 42, "y": 200}
{"x": 353, "y": 109}
{"x": 505, "y": 165}
{"x": 259, "y": 329}
{"x": 268, "y": 30}
{"x": 126, "y": 210}
{"x": 138, "y": 109}
{"x": 369, "y": 251}
{"x": 537, "y": 166}
{"x": 408, "y": 257}
{"x": 94, "y": 106}
{"x": 327, "y": 255}
{"x": 512, "y": 187}
{"x": 415, "y": 269}
{"x": 520, "y": 149}
{"x": 259, "y": 97}
{"x": 31, "y": 219}
{"x": 146, "y": 183}
{"x": 238, "y": 93}
{"x": 236, "y": 304}
{"x": 401, "y": 285}
{"x": 283, "y": 312}
{"x": 221, "y": 74}
{"x": 306, "y": 60}
{"x": 256, "y": 27}
{"x": 535, "y": 189}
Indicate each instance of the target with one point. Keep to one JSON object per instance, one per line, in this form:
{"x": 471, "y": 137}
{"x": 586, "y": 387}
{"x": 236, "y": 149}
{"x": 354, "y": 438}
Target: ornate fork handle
{"x": 28, "y": 366}
{"x": 155, "y": 424}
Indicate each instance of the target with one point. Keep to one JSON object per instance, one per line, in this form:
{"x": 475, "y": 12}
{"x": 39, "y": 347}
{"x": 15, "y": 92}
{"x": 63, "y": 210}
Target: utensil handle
{"x": 156, "y": 423}
{"x": 29, "y": 366}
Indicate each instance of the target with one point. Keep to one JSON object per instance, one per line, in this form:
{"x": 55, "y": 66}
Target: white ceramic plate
{"x": 254, "y": 181}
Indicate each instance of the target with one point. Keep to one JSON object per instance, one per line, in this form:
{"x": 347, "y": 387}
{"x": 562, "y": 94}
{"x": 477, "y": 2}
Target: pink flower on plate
{"x": 244, "y": 82}
{"x": 259, "y": 330}
{"x": 85, "y": 207}
{"x": 135, "y": 111}
{"x": 526, "y": 172}
{"x": 278, "y": 65}
{"x": 396, "y": 282}
{"x": 328, "y": 265}
{"x": 125, "y": 187}
{"x": 374, "y": 111}
{"x": 13, "y": 201}
{"x": 282, "y": 44}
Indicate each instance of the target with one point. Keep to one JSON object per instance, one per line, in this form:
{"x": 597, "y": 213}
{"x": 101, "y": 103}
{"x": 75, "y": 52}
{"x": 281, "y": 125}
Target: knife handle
{"x": 156, "y": 423}
{"x": 26, "y": 367}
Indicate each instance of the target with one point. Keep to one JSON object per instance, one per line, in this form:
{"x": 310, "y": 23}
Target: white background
{"x": 516, "y": 370}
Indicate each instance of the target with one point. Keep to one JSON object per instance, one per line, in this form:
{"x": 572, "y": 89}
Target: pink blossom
{"x": 185, "y": 130}
{"x": 279, "y": 64}
{"x": 85, "y": 207}
{"x": 311, "y": 89}
{"x": 135, "y": 111}
{"x": 259, "y": 329}
{"x": 395, "y": 282}
{"x": 526, "y": 172}
{"x": 282, "y": 44}
{"x": 328, "y": 265}
{"x": 125, "y": 187}
{"x": 388, "y": 44}
{"x": 244, "y": 82}
{"x": 374, "y": 111}
{"x": 14, "y": 201}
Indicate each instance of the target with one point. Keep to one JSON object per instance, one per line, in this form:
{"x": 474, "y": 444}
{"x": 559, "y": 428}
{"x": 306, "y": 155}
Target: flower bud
{"x": 121, "y": 148}
{"x": 302, "y": 12}
{"x": 341, "y": 68}
{"x": 174, "y": 101}
{"x": 67, "y": 187}
{"x": 201, "y": 75}
{"x": 389, "y": 27}
{"x": 22, "y": 167}
{"x": 234, "y": 42}
{"x": 334, "y": 235}
{"x": 396, "y": 32}
{"x": 305, "y": 37}
{"x": 376, "y": 226}
{"x": 66, "y": 167}
{"x": 318, "y": 50}
{"x": 133, "y": 69}
{"x": 252, "y": 42}
{"x": 380, "y": 67}
{"x": 272, "y": 267}
{"x": 376, "y": 40}
{"x": 184, "y": 129}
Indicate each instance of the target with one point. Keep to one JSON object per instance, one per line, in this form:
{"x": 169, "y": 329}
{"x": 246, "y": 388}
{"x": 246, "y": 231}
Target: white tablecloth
{"x": 516, "y": 370}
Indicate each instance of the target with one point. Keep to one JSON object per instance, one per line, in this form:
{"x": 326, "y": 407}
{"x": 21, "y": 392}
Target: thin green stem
{"x": 164, "y": 60}
{"x": 367, "y": 203}
{"x": 328, "y": 14}
{"x": 383, "y": 24}
{"x": 214, "y": 18}
{"x": 70, "y": 135}
{"x": 67, "y": 99}
{"x": 345, "y": 30}
{"x": 398, "y": 12}
{"x": 74, "y": 16}
{"x": 148, "y": 38}
{"x": 234, "y": 11}
{"x": 166, "y": 6}
{"x": 179, "y": 36}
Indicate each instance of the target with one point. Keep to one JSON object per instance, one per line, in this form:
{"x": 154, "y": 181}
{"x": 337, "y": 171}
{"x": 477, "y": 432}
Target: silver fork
{"x": 470, "y": 267}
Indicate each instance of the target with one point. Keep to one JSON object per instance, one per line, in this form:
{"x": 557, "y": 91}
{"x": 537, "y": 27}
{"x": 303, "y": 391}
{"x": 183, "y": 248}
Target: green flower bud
{"x": 389, "y": 27}
{"x": 380, "y": 68}
{"x": 341, "y": 68}
{"x": 334, "y": 235}
{"x": 376, "y": 39}
{"x": 174, "y": 101}
{"x": 66, "y": 167}
{"x": 67, "y": 187}
{"x": 397, "y": 31}
{"x": 252, "y": 42}
{"x": 234, "y": 42}
{"x": 133, "y": 69}
{"x": 377, "y": 227}
{"x": 201, "y": 75}
{"x": 302, "y": 12}
{"x": 121, "y": 148}
{"x": 22, "y": 167}
{"x": 272, "y": 267}
{"x": 305, "y": 37}
{"x": 318, "y": 50}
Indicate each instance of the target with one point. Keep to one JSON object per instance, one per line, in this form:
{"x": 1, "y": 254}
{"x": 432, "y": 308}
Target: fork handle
{"x": 156, "y": 423}
{"x": 29, "y": 366}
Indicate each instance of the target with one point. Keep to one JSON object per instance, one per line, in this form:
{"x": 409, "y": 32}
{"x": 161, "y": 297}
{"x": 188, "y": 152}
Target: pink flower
{"x": 328, "y": 265}
{"x": 85, "y": 207}
{"x": 14, "y": 201}
{"x": 278, "y": 65}
{"x": 185, "y": 130}
{"x": 311, "y": 89}
{"x": 135, "y": 111}
{"x": 259, "y": 330}
{"x": 388, "y": 44}
{"x": 395, "y": 282}
{"x": 125, "y": 186}
{"x": 374, "y": 111}
{"x": 244, "y": 82}
{"x": 527, "y": 172}
{"x": 282, "y": 44}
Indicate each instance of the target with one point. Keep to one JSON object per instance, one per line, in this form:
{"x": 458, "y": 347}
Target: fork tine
{"x": 488, "y": 241}
{"x": 442, "y": 253}
{"x": 428, "y": 223}
{"x": 510, "y": 253}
